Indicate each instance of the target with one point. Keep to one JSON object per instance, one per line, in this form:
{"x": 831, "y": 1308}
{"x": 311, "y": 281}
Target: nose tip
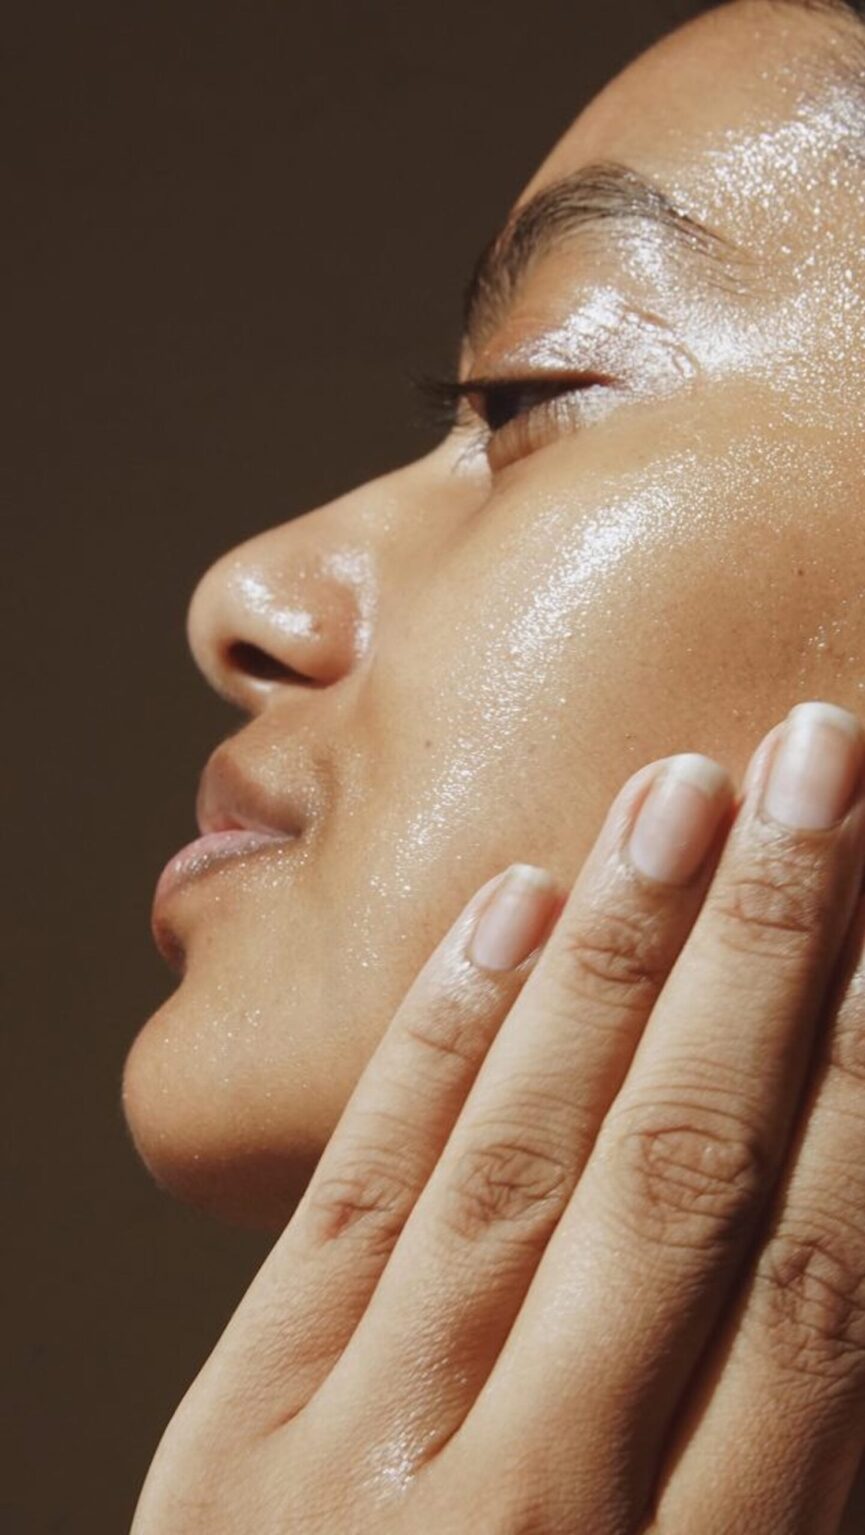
{"x": 255, "y": 628}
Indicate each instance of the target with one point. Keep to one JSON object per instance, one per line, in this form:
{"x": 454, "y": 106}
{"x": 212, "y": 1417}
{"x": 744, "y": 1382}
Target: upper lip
{"x": 229, "y": 799}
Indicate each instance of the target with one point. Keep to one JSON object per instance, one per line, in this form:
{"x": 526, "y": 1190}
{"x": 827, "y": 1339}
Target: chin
{"x": 203, "y": 1127}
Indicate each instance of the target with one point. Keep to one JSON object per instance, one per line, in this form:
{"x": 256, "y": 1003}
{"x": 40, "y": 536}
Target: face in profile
{"x": 644, "y": 534}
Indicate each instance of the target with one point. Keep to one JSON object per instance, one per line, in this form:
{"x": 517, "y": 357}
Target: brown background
{"x": 234, "y": 231}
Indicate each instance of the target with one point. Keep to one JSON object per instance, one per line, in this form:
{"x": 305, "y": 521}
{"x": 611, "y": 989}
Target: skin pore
{"x": 454, "y": 667}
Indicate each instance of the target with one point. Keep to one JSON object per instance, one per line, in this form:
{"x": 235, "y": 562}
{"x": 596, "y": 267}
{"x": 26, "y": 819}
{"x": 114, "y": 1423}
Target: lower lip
{"x": 208, "y": 852}
{"x": 191, "y": 863}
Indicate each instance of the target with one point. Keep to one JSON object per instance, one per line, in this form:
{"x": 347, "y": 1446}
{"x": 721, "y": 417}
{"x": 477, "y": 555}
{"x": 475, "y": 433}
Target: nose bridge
{"x": 299, "y": 604}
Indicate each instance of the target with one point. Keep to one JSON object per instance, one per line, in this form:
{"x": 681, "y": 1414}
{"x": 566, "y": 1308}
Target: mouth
{"x": 236, "y": 822}
{"x": 193, "y": 862}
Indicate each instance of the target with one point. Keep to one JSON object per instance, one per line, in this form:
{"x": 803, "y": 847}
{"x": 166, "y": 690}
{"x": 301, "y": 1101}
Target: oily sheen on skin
{"x": 471, "y": 654}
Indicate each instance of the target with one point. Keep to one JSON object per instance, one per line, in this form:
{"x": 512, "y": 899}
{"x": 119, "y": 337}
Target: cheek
{"x": 595, "y": 619}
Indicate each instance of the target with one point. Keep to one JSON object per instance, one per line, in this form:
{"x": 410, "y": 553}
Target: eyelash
{"x": 495, "y": 402}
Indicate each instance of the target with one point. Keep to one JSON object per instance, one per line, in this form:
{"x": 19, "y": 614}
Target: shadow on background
{"x": 235, "y": 231}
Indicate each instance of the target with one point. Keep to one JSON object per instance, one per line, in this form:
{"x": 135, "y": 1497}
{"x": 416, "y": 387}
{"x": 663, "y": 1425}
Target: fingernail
{"x": 513, "y": 923}
{"x": 679, "y": 817}
{"x": 816, "y": 768}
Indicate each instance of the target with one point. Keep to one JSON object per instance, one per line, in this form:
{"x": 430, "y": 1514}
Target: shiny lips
{"x": 236, "y": 817}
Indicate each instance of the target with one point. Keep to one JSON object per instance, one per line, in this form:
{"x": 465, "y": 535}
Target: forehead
{"x": 747, "y": 112}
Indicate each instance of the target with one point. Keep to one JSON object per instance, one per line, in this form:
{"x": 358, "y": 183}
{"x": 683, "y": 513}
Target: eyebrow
{"x": 605, "y": 192}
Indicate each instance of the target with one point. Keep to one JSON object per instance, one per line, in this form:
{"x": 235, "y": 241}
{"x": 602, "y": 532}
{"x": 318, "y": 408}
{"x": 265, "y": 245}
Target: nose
{"x": 283, "y": 610}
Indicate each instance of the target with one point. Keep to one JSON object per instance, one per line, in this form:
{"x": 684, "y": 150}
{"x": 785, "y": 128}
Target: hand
{"x": 586, "y": 1251}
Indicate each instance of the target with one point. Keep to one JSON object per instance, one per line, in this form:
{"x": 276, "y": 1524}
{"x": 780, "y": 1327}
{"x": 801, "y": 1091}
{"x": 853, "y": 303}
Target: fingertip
{"x": 515, "y": 920}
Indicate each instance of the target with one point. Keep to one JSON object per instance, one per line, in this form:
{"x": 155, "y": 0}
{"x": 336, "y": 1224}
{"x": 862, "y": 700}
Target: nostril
{"x": 260, "y": 664}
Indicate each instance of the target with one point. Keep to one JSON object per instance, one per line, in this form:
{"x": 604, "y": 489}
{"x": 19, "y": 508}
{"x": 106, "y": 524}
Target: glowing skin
{"x": 665, "y": 562}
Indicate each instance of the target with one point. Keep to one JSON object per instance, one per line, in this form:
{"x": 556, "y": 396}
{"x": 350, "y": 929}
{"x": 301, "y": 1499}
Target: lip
{"x": 234, "y": 795}
{"x": 205, "y": 853}
{"x": 239, "y": 816}
{"x": 195, "y": 860}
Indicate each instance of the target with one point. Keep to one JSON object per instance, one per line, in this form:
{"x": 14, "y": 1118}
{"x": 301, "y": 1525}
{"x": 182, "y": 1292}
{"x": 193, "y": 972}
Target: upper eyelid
{"x": 550, "y": 384}
{"x": 447, "y": 394}
{"x": 539, "y": 379}
{"x": 479, "y": 430}
{"x": 606, "y": 333}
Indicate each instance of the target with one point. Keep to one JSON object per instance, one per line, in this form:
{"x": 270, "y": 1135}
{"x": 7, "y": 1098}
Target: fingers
{"x": 783, "y": 1392}
{"x": 461, "y": 1268}
{"x": 304, "y": 1304}
{"x": 645, "y": 1255}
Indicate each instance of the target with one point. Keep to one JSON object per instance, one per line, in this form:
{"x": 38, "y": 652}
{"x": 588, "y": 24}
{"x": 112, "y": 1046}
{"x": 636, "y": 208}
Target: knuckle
{"x": 616, "y": 958}
{"x": 776, "y": 908}
{"x": 366, "y": 1193}
{"x": 446, "y": 1030}
{"x": 684, "y": 1177}
{"x": 504, "y": 1182}
{"x": 808, "y": 1308}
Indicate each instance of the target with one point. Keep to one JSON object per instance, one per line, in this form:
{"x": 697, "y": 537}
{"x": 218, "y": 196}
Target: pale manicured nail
{"x": 513, "y": 923}
{"x": 679, "y": 818}
{"x": 816, "y": 768}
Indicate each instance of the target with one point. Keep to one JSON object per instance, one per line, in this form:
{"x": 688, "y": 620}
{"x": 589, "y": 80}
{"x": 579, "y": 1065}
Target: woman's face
{"x": 455, "y": 666}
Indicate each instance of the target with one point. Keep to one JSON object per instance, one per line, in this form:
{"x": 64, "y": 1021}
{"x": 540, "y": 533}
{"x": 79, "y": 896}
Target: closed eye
{"x": 510, "y": 417}
{"x": 499, "y": 400}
